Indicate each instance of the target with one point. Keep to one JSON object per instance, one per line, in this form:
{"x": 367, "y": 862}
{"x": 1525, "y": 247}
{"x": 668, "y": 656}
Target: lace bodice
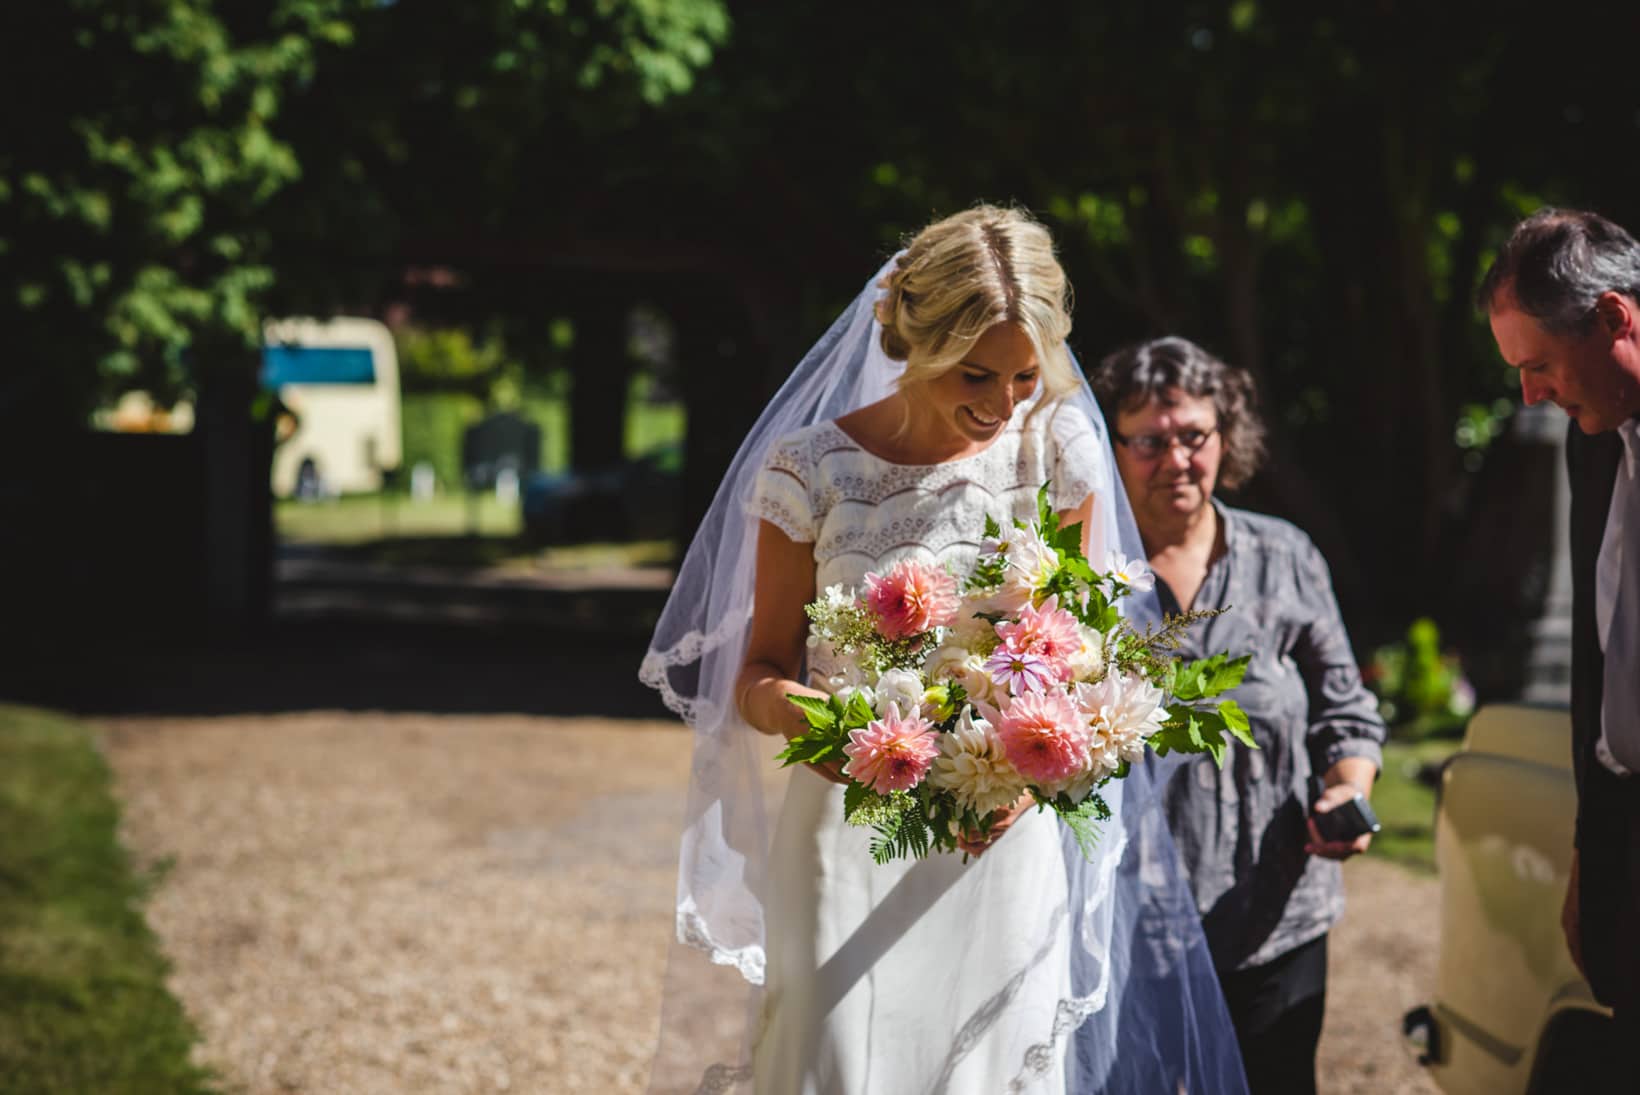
{"x": 864, "y": 513}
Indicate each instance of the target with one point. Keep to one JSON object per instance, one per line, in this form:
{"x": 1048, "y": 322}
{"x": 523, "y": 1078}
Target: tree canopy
{"x": 1309, "y": 191}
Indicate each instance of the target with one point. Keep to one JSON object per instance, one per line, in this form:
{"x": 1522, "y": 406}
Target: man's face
{"x": 1593, "y": 377}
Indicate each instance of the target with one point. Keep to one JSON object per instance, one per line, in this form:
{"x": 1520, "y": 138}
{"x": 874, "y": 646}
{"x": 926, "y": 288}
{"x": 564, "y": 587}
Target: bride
{"x": 943, "y": 395}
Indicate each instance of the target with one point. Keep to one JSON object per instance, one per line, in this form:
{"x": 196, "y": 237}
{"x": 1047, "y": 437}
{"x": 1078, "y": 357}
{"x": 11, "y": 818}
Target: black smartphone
{"x": 1343, "y": 822}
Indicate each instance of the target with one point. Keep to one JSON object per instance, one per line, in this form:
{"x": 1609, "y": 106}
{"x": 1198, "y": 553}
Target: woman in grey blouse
{"x": 1267, "y": 886}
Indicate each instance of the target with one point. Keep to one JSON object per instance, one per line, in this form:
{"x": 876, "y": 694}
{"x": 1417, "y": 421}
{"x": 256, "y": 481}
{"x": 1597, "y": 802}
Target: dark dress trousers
{"x": 1608, "y": 810}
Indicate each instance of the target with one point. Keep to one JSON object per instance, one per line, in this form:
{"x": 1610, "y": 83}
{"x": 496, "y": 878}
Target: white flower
{"x": 1124, "y": 711}
{"x": 900, "y": 687}
{"x": 1031, "y": 562}
{"x": 972, "y": 631}
{"x": 836, "y": 597}
{"x": 973, "y": 766}
{"x": 848, "y": 692}
{"x": 1133, "y": 573}
{"x": 996, "y": 547}
{"x": 1088, "y": 663}
{"x": 945, "y": 664}
{"x": 952, "y": 662}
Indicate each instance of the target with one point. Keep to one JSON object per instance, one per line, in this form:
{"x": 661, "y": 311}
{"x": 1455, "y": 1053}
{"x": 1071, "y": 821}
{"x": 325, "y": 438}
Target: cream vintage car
{"x": 1511, "y": 1014}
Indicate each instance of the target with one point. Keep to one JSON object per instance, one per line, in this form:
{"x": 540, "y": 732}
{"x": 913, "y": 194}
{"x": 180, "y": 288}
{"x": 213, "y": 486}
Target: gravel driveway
{"x": 395, "y": 903}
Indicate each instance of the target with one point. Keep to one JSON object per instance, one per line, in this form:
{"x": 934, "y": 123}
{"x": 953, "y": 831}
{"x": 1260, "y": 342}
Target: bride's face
{"x": 976, "y": 397}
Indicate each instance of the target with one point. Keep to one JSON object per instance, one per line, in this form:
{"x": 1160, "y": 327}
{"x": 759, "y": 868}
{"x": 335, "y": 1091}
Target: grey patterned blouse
{"x": 1241, "y": 830}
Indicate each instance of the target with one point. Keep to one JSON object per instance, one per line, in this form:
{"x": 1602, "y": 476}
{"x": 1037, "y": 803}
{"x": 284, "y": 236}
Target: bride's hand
{"x": 975, "y": 842}
{"x": 796, "y": 725}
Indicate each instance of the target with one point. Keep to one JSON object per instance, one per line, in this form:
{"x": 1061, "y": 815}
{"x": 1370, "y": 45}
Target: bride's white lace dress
{"x": 930, "y": 976}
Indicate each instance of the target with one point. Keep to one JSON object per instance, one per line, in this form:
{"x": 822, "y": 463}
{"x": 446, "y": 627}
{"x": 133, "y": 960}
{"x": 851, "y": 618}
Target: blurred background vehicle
{"x": 1511, "y": 1014}
{"x": 339, "y": 381}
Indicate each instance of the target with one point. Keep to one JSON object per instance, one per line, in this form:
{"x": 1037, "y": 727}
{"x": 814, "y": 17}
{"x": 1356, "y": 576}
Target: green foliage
{"x": 432, "y": 429}
{"x": 1208, "y": 676}
{"x": 433, "y": 423}
{"x": 83, "y": 1002}
{"x": 128, "y": 230}
{"x": 1082, "y": 819}
{"x": 1404, "y": 798}
{"x": 189, "y": 165}
{"x": 830, "y": 720}
{"x": 1421, "y": 689}
{"x": 903, "y": 833}
{"x": 449, "y": 359}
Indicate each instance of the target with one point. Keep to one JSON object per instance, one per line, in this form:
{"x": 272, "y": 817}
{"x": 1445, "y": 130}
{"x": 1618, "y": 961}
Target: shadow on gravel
{"x": 369, "y": 637}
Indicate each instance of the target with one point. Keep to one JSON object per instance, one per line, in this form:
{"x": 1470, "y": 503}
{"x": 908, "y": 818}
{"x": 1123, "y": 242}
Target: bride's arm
{"x": 1093, "y": 545}
{"x": 774, "y": 652}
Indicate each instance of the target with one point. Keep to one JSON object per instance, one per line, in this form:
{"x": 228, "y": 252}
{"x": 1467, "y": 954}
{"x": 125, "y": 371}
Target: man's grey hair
{"x": 1557, "y": 263}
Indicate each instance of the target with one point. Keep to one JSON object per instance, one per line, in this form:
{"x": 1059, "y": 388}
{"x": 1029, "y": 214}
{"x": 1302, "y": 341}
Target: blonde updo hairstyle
{"x": 961, "y": 276}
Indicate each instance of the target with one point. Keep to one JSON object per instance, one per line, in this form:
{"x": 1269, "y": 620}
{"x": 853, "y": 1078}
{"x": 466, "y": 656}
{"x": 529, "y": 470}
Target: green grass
{"x": 359, "y": 518}
{"x": 83, "y": 1002}
{"x": 1405, "y": 805}
{"x": 433, "y": 424}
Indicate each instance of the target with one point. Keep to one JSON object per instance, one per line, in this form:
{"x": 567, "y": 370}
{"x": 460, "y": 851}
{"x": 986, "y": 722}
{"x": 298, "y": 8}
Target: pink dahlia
{"x": 892, "y": 753}
{"x": 911, "y": 598}
{"x": 1045, "y": 736}
{"x": 1047, "y": 631}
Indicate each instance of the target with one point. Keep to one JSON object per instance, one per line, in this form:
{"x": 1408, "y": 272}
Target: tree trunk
{"x": 726, "y": 381}
{"x": 600, "y": 373}
{"x": 238, "y": 496}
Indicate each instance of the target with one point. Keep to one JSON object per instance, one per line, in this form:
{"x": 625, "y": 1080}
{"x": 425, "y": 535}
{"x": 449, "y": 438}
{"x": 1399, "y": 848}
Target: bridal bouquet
{"x": 955, "y": 696}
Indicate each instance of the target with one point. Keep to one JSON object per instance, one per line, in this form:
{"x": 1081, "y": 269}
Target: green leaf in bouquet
{"x": 1060, "y": 584}
{"x": 1235, "y": 721}
{"x": 992, "y": 529}
{"x": 863, "y": 806}
{"x": 1068, "y": 541}
{"x": 815, "y": 747}
{"x": 1226, "y": 675}
{"x": 1082, "y": 819}
{"x": 904, "y": 833}
{"x": 1080, "y": 569}
{"x": 987, "y": 573}
{"x": 1046, "y": 517}
{"x": 1209, "y": 730}
{"x": 1190, "y": 678}
{"x": 858, "y": 714}
{"x": 1181, "y": 733}
{"x": 821, "y": 712}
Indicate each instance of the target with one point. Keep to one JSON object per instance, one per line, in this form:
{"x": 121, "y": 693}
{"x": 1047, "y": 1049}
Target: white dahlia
{"x": 973, "y": 766}
{"x": 1088, "y": 663}
{"x": 1124, "y": 711}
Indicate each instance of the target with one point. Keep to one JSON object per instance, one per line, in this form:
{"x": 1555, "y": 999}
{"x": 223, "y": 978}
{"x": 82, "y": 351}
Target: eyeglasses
{"x": 1151, "y": 445}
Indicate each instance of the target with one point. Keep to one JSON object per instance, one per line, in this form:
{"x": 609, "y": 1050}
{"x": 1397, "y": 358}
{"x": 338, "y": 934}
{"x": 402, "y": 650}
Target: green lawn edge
{"x": 83, "y": 1001}
{"x": 1404, "y": 800}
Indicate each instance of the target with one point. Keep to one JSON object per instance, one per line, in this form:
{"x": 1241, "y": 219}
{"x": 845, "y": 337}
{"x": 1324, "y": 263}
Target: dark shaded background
{"x": 1310, "y": 191}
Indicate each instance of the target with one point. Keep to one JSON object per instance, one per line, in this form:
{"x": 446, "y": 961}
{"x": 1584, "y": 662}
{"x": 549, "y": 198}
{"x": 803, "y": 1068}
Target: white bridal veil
{"x": 1144, "y": 1012}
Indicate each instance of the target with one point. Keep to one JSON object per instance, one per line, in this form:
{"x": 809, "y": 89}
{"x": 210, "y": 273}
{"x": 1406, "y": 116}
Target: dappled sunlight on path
{"x": 400, "y": 903}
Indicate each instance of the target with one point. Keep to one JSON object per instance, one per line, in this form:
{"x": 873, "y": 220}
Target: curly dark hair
{"x": 1131, "y": 377}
